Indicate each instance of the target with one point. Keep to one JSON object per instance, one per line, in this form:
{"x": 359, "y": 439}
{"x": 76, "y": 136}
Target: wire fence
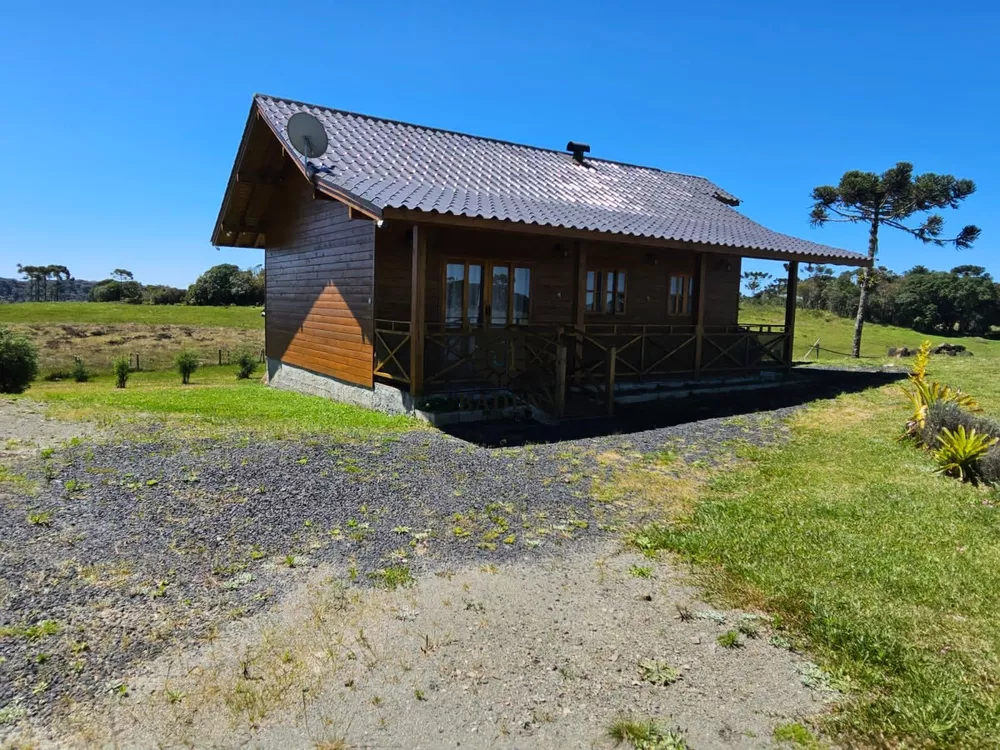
{"x": 815, "y": 349}
{"x": 136, "y": 359}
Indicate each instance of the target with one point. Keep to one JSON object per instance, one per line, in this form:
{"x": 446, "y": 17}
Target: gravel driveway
{"x": 111, "y": 552}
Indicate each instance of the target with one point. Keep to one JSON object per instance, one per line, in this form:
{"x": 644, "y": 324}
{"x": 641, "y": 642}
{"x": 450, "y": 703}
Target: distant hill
{"x": 16, "y": 290}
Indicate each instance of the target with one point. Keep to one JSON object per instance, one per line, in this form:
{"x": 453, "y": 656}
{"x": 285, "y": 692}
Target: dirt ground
{"x": 533, "y": 651}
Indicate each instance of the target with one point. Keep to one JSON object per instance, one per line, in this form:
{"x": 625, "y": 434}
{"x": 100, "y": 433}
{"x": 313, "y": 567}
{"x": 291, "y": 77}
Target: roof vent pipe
{"x": 578, "y": 150}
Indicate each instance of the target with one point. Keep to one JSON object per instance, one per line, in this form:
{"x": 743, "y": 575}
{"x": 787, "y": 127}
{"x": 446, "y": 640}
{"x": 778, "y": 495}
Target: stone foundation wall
{"x": 382, "y": 398}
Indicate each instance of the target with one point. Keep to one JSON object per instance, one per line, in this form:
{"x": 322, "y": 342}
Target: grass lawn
{"x": 888, "y": 572}
{"x": 213, "y": 402}
{"x": 98, "y": 332}
{"x": 117, "y": 312}
{"x": 837, "y": 333}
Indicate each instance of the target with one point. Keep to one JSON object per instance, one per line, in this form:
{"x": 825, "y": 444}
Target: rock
{"x": 901, "y": 351}
{"x": 950, "y": 349}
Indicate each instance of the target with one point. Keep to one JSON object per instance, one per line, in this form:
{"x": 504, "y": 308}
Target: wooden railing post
{"x": 699, "y": 320}
{"x": 418, "y": 307}
{"x": 610, "y": 384}
{"x": 560, "y": 395}
{"x": 791, "y": 301}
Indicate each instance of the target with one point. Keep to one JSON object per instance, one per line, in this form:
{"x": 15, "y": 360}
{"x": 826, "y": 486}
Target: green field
{"x": 43, "y": 313}
{"x": 886, "y": 572}
{"x": 215, "y": 402}
{"x": 98, "y": 332}
{"x": 837, "y": 334}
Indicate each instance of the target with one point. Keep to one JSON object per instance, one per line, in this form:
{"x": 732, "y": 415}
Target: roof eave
{"x": 506, "y": 225}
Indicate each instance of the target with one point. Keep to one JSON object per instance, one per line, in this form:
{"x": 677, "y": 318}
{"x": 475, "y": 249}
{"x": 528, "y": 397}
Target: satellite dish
{"x": 307, "y": 134}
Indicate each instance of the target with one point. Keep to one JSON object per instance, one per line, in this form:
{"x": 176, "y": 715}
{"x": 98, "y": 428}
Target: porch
{"x": 559, "y": 326}
{"x": 570, "y": 371}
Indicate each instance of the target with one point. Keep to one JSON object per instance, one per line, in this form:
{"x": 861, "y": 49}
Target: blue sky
{"x": 119, "y": 122}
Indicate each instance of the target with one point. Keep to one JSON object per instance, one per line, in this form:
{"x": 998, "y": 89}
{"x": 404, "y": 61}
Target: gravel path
{"x": 112, "y": 552}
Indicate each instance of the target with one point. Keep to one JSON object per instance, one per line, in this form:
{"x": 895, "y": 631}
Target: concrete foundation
{"x": 382, "y": 398}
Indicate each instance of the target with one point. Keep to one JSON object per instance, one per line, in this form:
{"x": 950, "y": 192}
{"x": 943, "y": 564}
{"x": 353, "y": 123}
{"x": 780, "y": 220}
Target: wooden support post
{"x": 791, "y": 301}
{"x": 560, "y": 396}
{"x": 610, "y": 385}
{"x": 418, "y": 309}
{"x": 579, "y": 307}
{"x": 699, "y": 318}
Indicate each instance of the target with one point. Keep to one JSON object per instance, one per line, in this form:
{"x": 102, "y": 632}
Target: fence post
{"x": 610, "y": 385}
{"x": 560, "y": 379}
{"x": 138, "y": 367}
{"x": 220, "y": 357}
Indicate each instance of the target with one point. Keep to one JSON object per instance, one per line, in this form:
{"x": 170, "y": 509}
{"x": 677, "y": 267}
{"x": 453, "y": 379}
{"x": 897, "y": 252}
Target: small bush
{"x": 57, "y": 375}
{"x": 989, "y": 465}
{"x": 18, "y": 361}
{"x": 122, "y": 370}
{"x": 247, "y": 364}
{"x": 960, "y": 451}
{"x": 187, "y": 363}
{"x": 80, "y": 373}
{"x": 927, "y": 393}
{"x": 948, "y": 415}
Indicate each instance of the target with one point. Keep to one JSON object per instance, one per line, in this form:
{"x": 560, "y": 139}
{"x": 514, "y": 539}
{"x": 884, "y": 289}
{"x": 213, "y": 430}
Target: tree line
{"x": 964, "y": 301}
{"x": 223, "y": 284}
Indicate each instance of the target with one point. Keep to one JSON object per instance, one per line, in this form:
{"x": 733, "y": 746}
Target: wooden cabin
{"x": 411, "y": 265}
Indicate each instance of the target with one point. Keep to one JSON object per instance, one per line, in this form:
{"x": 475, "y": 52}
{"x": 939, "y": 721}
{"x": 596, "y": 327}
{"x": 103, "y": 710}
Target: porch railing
{"x": 537, "y": 361}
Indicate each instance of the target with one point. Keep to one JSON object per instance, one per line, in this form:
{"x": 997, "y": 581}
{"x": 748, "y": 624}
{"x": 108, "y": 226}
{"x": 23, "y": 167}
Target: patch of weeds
{"x": 419, "y": 694}
{"x": 239, "y": 581}
{"x": 730, "y": 639}
{"x": 41, "y": 629}
{"x": 796, "y": 734}
{"x": 256, "y": 553}
{"x": 646, "y": 734}
{"x": 393, "y": 577}
{"x": 74, "y": 485}
{"x": 658, "y": 672}
{"x": 710, "y": 614}
{"x": 291, "y": 561}
{"x": 175, "y": 696}
{"x": 640, "y": 571}
{"x": 12, "y": 713}
{"x": 400, "y": 529}
{"x": 684, "y": 613}
{"x": 41, "y": 518}
{"x": 748, "y": 627}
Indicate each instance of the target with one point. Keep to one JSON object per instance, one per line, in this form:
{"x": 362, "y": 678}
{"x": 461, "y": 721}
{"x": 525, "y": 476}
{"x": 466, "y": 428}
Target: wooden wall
{"x": 319, "y": 265}
{"x": 552, "y": 262}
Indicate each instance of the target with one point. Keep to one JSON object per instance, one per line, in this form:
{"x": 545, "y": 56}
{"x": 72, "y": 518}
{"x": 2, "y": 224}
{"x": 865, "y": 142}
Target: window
{"x": 497, "y": 293}
{"x": 605, "y": 292}
{"x": 681, "y": 292}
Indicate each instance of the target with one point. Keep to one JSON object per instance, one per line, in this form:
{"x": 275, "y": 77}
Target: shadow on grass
{"x": 806, "y": 385}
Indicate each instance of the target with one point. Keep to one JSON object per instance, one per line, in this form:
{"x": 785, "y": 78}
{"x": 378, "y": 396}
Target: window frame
{"x": 487, "y": 292}
{"x": 686, "y": 295}
{"x": 600, "y": 291}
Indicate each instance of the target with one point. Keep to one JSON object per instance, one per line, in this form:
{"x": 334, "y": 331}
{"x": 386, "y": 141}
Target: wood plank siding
{"x": 552, "y": 263}
{"x": 319, "y": 267}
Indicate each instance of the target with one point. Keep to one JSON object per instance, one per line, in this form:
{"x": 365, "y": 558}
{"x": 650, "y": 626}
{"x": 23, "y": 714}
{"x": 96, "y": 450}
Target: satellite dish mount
{"x": 308, "y": 137}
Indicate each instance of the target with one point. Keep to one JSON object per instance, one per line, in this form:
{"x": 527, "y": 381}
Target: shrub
{"x": 187, "y": 363}
{"x": 989, "y": 465}
{"x": 80, "y": 373}
{"x": 960, "y": 451}
{"x": 18, "y": 361}
{"x": 122, "y": 370}
{"x": 247, "y": 363}
{"x": 165, "y": 295}
{"x": 927, "y": 393}
{"x": 949, "y": 415}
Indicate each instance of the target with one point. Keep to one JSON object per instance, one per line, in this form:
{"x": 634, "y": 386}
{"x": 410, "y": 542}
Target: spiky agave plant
{"x": 960, "y": 451}
{"x": 924, "y": 394}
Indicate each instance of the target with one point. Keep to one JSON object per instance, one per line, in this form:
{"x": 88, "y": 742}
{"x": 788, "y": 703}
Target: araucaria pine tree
{"x": 890, "y": 200}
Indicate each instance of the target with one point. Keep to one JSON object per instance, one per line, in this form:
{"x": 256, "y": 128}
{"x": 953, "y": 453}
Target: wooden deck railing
{"x": 537, "y": 361}
{"x": 392, "y": 350}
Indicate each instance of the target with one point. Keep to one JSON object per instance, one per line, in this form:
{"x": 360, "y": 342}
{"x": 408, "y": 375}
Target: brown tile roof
{"x": 388, "y": 164}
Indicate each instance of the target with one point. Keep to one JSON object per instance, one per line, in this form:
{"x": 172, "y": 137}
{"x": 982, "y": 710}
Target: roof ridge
{"x": 503, "y": 141}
